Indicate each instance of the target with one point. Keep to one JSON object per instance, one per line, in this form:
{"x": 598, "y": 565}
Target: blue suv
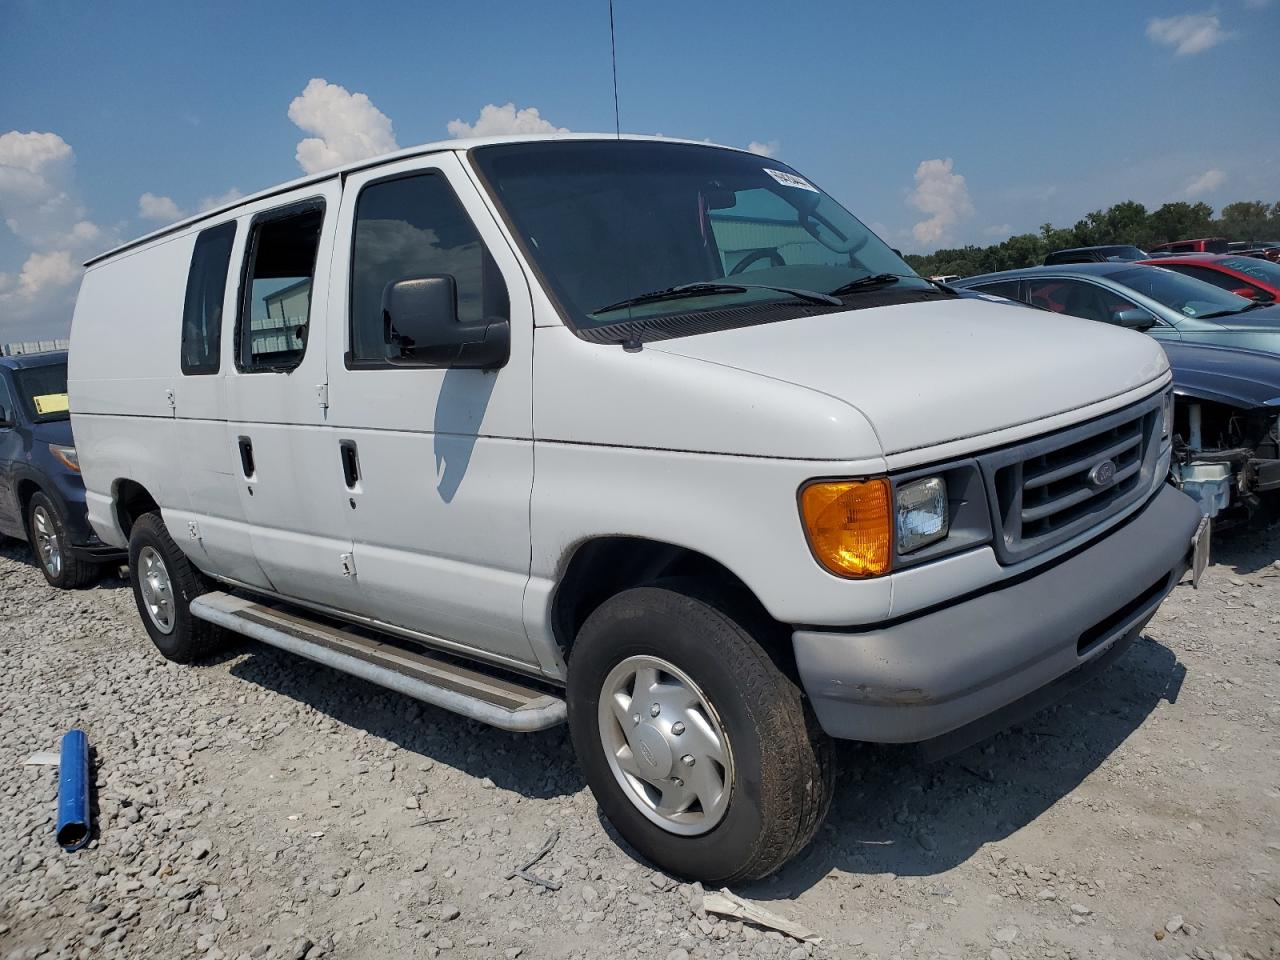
{"x": 41, "y": 493}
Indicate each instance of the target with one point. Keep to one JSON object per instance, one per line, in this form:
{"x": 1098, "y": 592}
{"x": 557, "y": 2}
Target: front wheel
{"x": 52, "y": 546}
{"x": 698, "y": 748}
{"x": 164, "y": 584}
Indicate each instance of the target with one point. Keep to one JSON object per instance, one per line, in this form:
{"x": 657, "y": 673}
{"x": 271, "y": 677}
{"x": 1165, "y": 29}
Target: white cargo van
{"x": 649, "y": 436}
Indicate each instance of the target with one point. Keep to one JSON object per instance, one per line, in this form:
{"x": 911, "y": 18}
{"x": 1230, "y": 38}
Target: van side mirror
{"x": 6, "y": 419}
{"x": 1135, "y": 318}
{"x": 421, "y": 328}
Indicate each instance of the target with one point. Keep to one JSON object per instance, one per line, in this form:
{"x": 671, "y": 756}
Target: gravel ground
{"x": 261, "y": 806}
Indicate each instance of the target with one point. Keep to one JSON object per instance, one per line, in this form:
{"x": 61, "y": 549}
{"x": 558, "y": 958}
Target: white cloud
{"x": 40, "y": 207}
{"x": 1207, "y": 182}
{"x": 495, "y": 121}
{"x": 767, "y": 149}
{"x": 47, "y": 271}
{"x": 36, "y": 172}
{"x": 211, "y": 203}
{"x": 347, "y": 126}
{"x": 1187, "y": 33}
{"x": 998, "y": 230}
{"x": 943, "y": 194}
{"x": 1257, "y": 4}
{"x": 159, "y": 209}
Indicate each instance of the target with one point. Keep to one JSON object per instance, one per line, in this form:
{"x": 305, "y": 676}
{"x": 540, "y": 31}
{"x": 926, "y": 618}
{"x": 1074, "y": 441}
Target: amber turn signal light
{"x": 849, "y": 524}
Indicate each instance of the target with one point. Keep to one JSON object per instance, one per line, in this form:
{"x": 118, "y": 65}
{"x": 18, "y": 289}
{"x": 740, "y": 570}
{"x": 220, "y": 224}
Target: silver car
{"x": 1168, "y": 305}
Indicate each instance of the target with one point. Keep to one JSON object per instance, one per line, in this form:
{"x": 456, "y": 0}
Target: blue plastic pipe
{"x": 73, "y": 792}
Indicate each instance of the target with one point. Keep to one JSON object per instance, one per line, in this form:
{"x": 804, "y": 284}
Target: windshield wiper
{"x": 707, "y": 287}
{"x": 866, "y": 283}
{"x": 1217, "y": 314}
{"x": 876, "y": 280}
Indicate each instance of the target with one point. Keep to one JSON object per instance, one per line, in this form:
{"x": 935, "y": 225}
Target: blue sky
{"x": 937, "y": 123}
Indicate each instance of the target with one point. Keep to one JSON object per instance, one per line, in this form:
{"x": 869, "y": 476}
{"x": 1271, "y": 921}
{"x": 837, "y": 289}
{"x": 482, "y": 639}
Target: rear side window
{"x": 275, "y": 308}
{"x": 408, "y": 228}
{"x": 1002, "y": 288}
{"x": 202, "y": 312}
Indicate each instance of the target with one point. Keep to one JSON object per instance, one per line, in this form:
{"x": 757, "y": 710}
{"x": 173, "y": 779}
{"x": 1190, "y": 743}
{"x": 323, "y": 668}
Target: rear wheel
{"x": 164, "y": 584}
{"x": 698, "y": 748}
{"x": 59, "y": 564}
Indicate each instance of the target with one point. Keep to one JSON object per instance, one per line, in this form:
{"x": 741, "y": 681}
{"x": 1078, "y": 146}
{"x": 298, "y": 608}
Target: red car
{"x": 1203, "y": 245}
{"x": 1245, "y": 276}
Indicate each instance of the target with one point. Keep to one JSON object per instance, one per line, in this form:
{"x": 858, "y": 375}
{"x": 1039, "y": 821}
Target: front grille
{"x": 1053, "y": 488}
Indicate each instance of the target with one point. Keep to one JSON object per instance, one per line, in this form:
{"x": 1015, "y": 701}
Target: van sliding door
{"x": 276, "y": 399}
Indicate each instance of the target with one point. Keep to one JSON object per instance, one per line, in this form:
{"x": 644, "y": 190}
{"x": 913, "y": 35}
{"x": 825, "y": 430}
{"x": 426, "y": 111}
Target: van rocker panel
{"x": 929, "y": 675}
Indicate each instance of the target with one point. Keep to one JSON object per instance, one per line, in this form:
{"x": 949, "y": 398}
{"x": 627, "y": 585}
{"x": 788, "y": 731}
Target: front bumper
{"x": 929, "y": 675}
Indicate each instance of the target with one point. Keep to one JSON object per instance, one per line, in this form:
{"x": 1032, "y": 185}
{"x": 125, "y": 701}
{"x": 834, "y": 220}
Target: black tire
{"x": 52, "y": 546}
{"x": 783, "y": 764}
{"x": 189, "y": 640}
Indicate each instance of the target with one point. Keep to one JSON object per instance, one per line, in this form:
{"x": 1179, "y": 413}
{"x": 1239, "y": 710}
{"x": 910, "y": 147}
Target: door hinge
{"x": 322, "y": 395}
{"x": 173, "y": 403}
{"x": 348, "y": 563}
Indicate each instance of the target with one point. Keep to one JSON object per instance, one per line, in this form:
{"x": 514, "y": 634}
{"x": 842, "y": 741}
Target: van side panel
{"x": 125, "y": 339}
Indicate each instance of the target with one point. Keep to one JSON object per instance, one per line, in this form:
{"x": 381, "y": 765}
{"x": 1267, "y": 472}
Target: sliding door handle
{"x": 350, "y": 463}
{"x": 246, "y": 457}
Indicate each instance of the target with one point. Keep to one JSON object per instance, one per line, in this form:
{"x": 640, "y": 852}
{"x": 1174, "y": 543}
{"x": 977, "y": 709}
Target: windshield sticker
{"x": 791, "y": 180}
{"x": 51, "y": 403}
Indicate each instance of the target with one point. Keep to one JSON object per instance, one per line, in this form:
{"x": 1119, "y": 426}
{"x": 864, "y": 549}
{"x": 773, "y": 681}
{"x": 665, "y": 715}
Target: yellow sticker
{"x": 51, "y": 403}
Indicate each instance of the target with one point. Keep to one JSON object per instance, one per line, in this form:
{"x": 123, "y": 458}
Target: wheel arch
{"x": 604, "y": 566}
{"x": 129, "y": 501}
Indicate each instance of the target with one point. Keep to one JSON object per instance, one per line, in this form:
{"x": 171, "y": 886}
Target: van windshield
{"x": 607, "y": 222}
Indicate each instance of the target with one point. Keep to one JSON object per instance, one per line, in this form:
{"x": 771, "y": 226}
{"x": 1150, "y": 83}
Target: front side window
{"x": 1076, "y": 298}
{"x": 275, "y": 309}
{"x": 606, "y": 222}
{"x": 202, "y": 312}
{"x": 43, "y": 391}
{"x": 1190, "y": 297}
{"x": 406, "y": 229}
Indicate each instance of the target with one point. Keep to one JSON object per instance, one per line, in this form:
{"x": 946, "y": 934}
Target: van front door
{"x": 438, "y": 463}
{"x": 276, "y": 400}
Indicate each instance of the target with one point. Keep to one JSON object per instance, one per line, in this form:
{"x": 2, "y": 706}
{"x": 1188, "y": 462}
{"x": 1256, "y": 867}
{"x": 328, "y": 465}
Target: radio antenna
{"x": 613, "y": 49}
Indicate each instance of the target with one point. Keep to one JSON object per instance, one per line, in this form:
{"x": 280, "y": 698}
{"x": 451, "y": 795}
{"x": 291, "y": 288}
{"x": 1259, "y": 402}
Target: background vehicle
{"x": 1203, "y": 245}
{"x": 1100, "y": 254}
{"x": 1262, "y": 251}
{"x": 41, "y": 494}
{"x": 1156, "y": 300}
{"x": 785, "y": 490}
{"x": 1226, "y": 444}
{"x": 1244, "y": 276}
{"x": 1226, "y": 400}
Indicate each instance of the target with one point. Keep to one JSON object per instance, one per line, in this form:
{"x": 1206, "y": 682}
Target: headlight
{"x": 66, "y": 456}
{"x": 849, "y": 525}
{"x": 920, "y": 510}
{"x": 1166, "y": 416}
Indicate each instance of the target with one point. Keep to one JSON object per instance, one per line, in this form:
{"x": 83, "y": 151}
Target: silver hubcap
{"x": 665, "y": 745}
{"x": 157, "y": 592}
{"x": 47, "y": 545}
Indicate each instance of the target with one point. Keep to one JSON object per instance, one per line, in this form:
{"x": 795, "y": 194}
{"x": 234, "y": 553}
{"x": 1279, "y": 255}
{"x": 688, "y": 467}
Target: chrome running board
{"x": 498, "y": 701}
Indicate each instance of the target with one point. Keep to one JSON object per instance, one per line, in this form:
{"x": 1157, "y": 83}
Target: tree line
{"x": 1127, "y": 222}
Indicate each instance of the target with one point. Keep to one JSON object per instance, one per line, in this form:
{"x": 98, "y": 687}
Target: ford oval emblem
{"x": 1102, "y": 474}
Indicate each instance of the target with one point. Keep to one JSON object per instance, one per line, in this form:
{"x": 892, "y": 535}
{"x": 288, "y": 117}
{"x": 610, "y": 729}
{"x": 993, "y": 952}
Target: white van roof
{"x": 425, "y": 148}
